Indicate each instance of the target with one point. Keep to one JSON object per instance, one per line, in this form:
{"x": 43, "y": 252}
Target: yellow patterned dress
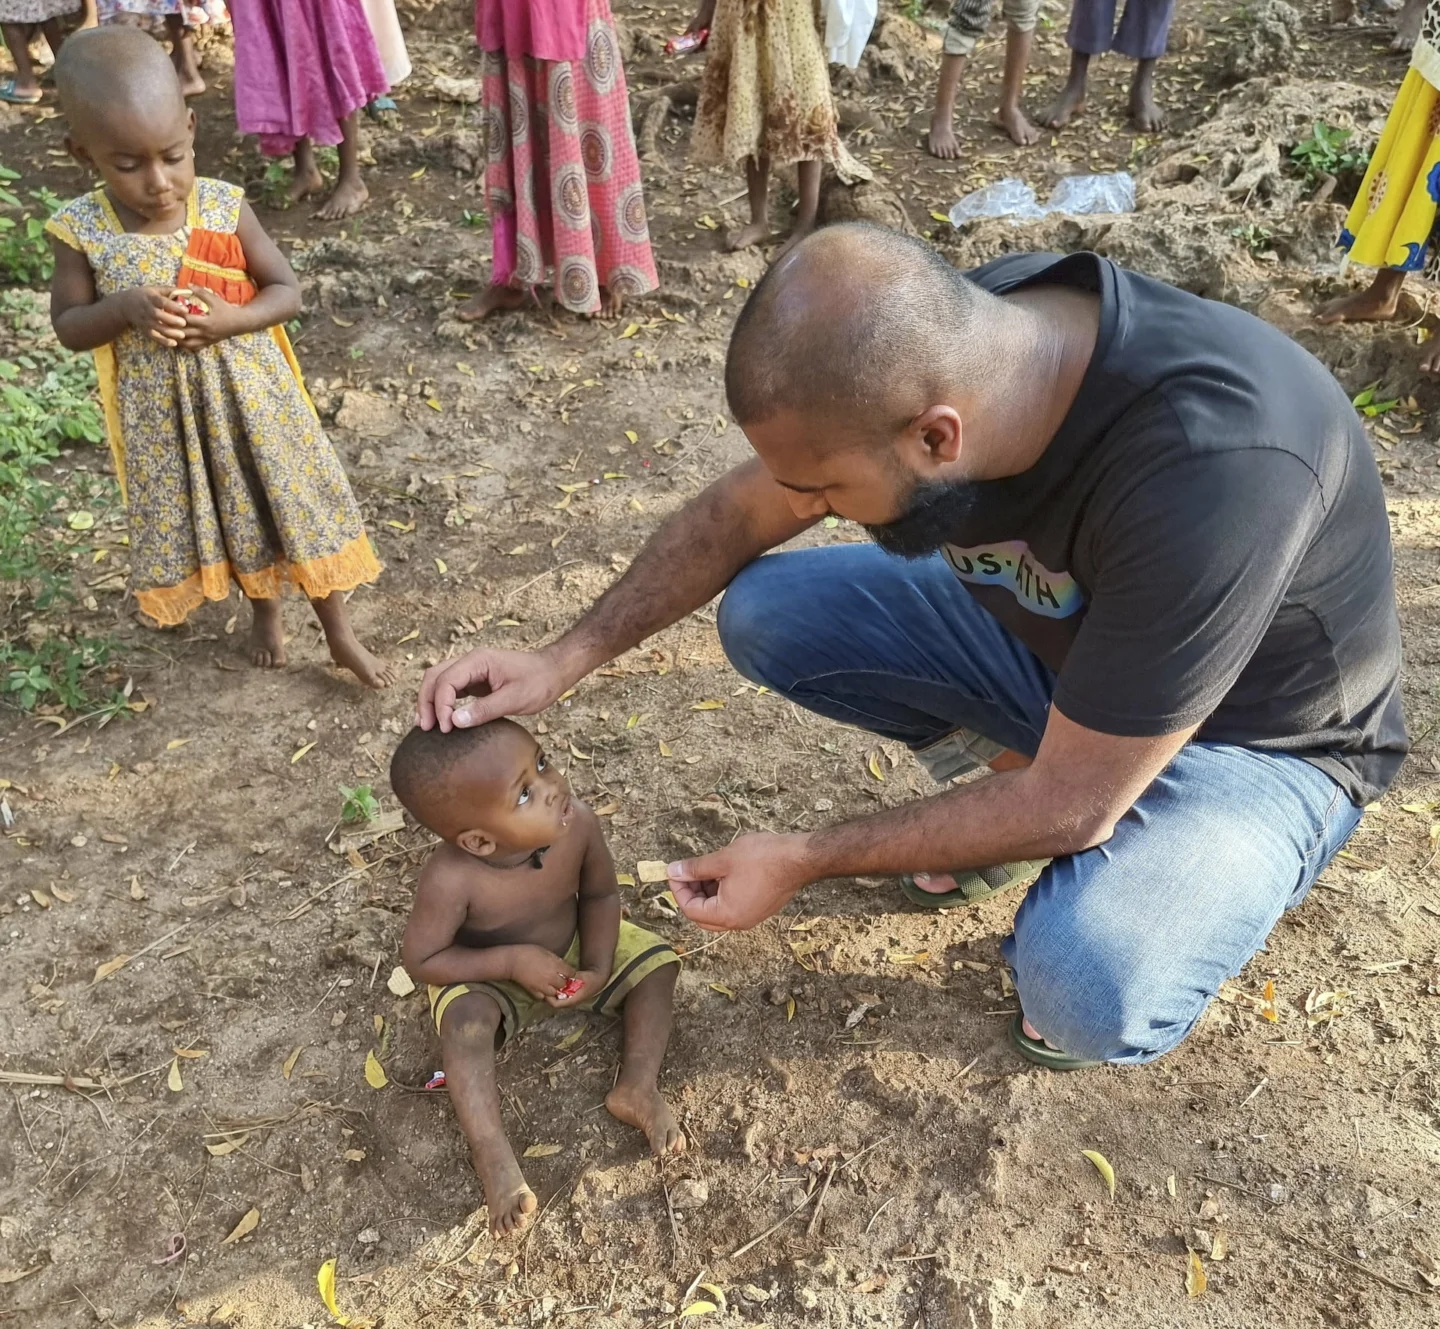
{"x": 1392, "y": 223}
{"x": 224, "y": 467}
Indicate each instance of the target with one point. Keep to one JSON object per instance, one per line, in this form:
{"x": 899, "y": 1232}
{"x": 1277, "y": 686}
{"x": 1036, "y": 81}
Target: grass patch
{"x": 25, "y": 255}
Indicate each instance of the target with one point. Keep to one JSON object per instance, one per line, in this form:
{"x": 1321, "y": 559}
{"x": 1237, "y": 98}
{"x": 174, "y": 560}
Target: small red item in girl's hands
{"x": 189, "y": 304}
{"x": 572, "y": 986}
{"x": 687, "y": 42}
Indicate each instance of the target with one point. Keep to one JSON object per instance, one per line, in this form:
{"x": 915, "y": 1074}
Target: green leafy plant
{"x": 1258, "y": 239}
{"x": 1364, "y": 402}
{"x": 56, "y": 672}
{"x": 360, "y": 803}
{"x": 26, "y": 258}
{"x": 1325, "y": 153}
{"x": 476, "y": 221}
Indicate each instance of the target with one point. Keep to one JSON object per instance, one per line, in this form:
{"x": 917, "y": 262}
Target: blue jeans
{"x": 1117, "y": 950}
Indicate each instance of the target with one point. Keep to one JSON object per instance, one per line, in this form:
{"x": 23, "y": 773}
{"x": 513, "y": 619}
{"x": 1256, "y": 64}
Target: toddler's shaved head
{"x": 114, "y": 72}
{"x": 432, "y": 772}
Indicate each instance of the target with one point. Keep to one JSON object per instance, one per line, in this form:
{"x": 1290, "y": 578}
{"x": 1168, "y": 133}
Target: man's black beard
{"x": 934, "y": 512}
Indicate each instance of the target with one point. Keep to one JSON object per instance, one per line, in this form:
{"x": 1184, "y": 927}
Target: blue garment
{"x": 1116, "y": 951}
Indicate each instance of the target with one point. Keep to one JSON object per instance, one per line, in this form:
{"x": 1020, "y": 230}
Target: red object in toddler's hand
{"x": 687, "y": 42}
{"x": 572, "y": 986}
{"x": 191, "y": 306}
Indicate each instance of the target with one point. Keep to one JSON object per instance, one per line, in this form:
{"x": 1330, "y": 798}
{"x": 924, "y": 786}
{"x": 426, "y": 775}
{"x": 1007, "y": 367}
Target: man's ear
{"x": 476, "y": 843}
{"x": 79, "y": 151}
{"x": 939, "y": 432}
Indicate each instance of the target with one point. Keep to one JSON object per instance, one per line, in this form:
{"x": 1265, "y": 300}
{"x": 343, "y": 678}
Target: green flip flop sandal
{"x": 973, "y": 885}
{"x": 1042, "y": 1054}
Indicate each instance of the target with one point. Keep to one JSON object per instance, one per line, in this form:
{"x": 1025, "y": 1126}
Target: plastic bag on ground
{"x": 1075, "y": 194}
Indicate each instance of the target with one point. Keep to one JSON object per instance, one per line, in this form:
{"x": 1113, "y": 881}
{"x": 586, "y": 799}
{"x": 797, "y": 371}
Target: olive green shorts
{"x": 638, "y": 954}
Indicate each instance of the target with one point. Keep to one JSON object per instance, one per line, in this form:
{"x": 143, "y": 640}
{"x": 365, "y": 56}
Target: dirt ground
{"x": 1292, "y": 1157}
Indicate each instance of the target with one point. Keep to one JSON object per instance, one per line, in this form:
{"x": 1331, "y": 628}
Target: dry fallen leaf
{"x": 301, "y": 751}
{"x": 441, "y": 567}
{"x": 542, "y": 1150}
{"x": 61, "y": 894}
{"x": 874, "y": 767}
{"x": 711, "y": 705}
{"x": 379, "y": 1024}
{"x": 651, "y": 871}
{"x": 173, "y": 1079}
{"x": 1102, "y": 1166}
{"x": 1268, "y": 1011}
{"x": 287, "y": 1069}
{"x": 1170, "y": 1185}
{"x": 624, "y": 879}
{"x": 225, "y": 1147}
{"x": 176, "y": 743}
{"x": 40, "y": 898}
{"x": 1195, "y": 1276}
{"x": 665, "y": 749}
{"x": 374, "y": 1072}
{"x": 1219, "y": 1246}
{"x": 193, "y": 1054}
{"x": 569, "y": 1041}
{"x": 325, "y": 1281}
{"x": 400, "y": 982}
{"x": 698, "y": 1308}
{"x": 723, "y": 990}
{"x": 789, "y": 1008}
{"x": 244, "y": 1227}
{"x": 717, "y": 1295}
{"x": 355, "y": 1155}
{"x": 110, "y": 967}
{"x": 15, "y": 1275}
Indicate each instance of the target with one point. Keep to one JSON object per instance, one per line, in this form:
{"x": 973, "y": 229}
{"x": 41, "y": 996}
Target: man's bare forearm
{"x": 684, "y": 565}
{"x": 997, "y": 820}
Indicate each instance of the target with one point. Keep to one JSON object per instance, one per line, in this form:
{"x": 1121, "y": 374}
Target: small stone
{"x": 366, "y": 414}
{"x": 78, "y": 841}
{"x": 368, "y": 1237}
{"x": 755, "y": 1295}
{"x": 688, "y": 1194}
{"x": 807, "y": 1298}
{"x": 1278, "y": 1193}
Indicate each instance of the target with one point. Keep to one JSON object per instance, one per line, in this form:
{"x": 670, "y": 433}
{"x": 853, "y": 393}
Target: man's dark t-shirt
{"x": 1205, "y": 539}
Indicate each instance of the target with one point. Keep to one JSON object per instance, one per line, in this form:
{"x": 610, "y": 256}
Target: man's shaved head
{"x": 115, "y": 72}
{"x": 858, "y": 325}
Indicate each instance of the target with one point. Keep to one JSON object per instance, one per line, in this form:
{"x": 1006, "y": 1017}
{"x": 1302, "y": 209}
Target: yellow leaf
{"x": 744, "y": 283}
{"x": 615, "y": 475}
{"x": 409, "y": 636}
{"x": 1219, "y": 1246}
{"x": 434, "y": 403}
{"x": 632, "y": 436}
{"x": 374, "y": 1072}
{"x": 400, "y": 982}
{"x": 708, "y": 222}
{"x": 1102, "y": 1166}
{"x": 789, "y": 1008}
{"x": 723, "y": 990}
{"x": 570, "y": 1040}
{"x": 61, "y": 894}
{"x": 907, "y": 957}
{"x": 464, "y": 368}
{"x": 40, "y": 898}
{"x": 342, "y": 322}
{"x": 1170, "y": 1185}
{"x": 244, "y": 1227}
{"x": 80, "y": 521}
{"x": 403, "y": 527}
{"x": 519, "y": 549}
{"x": 939, "y": 216}
{"x": 717, "y": 1295}
{"x": 563, "y": 503}
{"x": 191, "y": 1054}
{"x": 874, "y": 767}
{"x": 572, "y": 489}
{"x": 325, "y": 1280}
{"x": 173, "y": 1079}
{"x": 698, "y": 1308}
{"x": 577, "y": 754}
{"x": 99, "y": 555}
{"x": 633, "y": 721}
{"x": 541, "y": 1150}
{"x": 708, "y": 706}
{"x": 507, "y": 623}
{"x": 301, "y": 751}
{"x": 630, "y": 330}
{"x": 289, "y": 1067}
{"x": 354, "y": 1155}
{"x": 379, "y": 1024}
{"x": 665, "y": 749}
{"x": 110, "y": 967}
{"x": 1195, "y": 1276}
{"x": 226, "y": 1147}
{"x": 624, "y": 879}
{"x": 415, "y": 175}
{"x": 652, "y": 870}
{"x": 440, "y": 566}
{"x": 176, "y": 743}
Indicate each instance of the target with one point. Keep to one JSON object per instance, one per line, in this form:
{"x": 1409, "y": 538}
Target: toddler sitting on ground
{"x": 516, "y": 916}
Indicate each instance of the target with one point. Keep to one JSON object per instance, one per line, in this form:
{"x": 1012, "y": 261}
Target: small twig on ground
{"x": 674, "y": 1226}
{"x": 130, "y": 959}
{"x": 877, "y": 1214}
{"x": 568, "y": 563}
{"x": 1264, "y": 1080}
{"x": 1233, "y": 1185}
{"x": 694, "y": 1283}
{"x": 820, "y": 1200}
{"x": 1330, "y": 1254}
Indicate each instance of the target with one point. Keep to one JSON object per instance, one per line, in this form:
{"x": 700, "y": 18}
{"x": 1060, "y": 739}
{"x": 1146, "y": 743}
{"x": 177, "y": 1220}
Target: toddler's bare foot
{"x": 348, "y": 653}
{"x": 304, "y": 182}
{"x": 1012, "y": 120}
{"x": 747, "y": 237}
{"x": 611, "y": 302}
{"x": 1407, "y": 26}
{"x": 348, "y": 198}
{"x": 646, "y": 1110}
{"x": 267, "y": 635}
{"x": 509, "y": 1201}
{"x": 489, "y": 300}
{"x": 1430, "y": 361}
{"x": 942, "y": 141}
{"x": 1375, "y": 304}
{"x": 1065, "y": 108}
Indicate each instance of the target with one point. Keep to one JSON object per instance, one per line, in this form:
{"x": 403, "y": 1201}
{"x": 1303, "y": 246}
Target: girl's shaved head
{"x": 111, "y": 73}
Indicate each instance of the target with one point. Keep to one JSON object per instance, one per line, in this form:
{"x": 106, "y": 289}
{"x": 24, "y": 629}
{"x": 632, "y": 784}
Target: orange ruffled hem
{"x": 352, "y": 566}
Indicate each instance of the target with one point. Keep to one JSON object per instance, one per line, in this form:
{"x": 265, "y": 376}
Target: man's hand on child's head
{"x": 540, "y": 972}
{"x": 502, "y": 683}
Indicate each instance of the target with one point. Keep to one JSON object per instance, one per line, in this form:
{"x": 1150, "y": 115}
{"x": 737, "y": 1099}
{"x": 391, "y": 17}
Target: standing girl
{"x": 765, "y": 101}
{"x": 21, "y": 19}
{"x": 169, "y": 279}
{"x": 303, "y": 68}
{"x": 177, "y": 19}
{"x": 562, "y": 183}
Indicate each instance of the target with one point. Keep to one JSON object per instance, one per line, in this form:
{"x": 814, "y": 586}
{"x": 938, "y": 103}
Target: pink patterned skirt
{"x": 562, "y": 181}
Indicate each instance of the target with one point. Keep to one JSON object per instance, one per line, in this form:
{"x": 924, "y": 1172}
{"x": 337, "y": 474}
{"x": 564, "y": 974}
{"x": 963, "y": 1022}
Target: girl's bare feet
{"x": 1377, "y": 303}
{"x": 304, "y": 181}
{"x": 1013, "y": 121}
{"x": 1430, "y": 361}
{"x": 348, "y": 197}
{"x": 182, "y": 56}
{"x": 1145, "y": 115}
{"x": 489, "y": 300}
{"x": 747, "y": 237}
{"x": 267, "y": 635}
{"x": 942, "y": 141}
{"x": 1407, "y": 26}
{"x": 1069, "y": 104}
{"x": 345, "y": 647}
{"x": 645, "y": 1108}
{"x": 611, "y": 302}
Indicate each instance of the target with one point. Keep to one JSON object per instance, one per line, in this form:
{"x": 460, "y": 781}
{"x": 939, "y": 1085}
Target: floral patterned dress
{"x": 224, "y": 467}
